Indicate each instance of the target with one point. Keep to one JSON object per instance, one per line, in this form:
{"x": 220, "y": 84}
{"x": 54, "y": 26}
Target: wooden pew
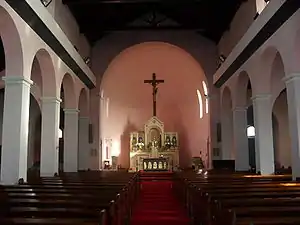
{"x": 236, "y": 199}
{"x": 77, "y": 199}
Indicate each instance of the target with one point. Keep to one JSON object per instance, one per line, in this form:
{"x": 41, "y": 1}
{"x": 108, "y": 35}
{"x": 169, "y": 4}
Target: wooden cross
{"x": 154, "y": 84}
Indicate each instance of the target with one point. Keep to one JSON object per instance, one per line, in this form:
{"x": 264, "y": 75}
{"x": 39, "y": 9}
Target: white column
{"x": 71, "y": 140}
{"x": 15, "y": 129}
{"x": 240, "y": 139}
{"x": 227, "y": 136}
{"x": 293, "y": 93}
{"x": 49, "y": 139}
{"x": 83, "y": 143}
{"x": 264, "y": 150}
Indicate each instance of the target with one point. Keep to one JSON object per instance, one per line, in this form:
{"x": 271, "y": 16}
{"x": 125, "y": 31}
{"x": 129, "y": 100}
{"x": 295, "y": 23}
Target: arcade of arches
{"x": 52, "y": 121}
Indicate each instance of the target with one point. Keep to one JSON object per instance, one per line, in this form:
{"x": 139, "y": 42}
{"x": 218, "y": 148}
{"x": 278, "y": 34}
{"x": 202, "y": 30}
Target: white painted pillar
{"x": 83, "y": 143}
{"x": 71, "y": 140}
{"x": 227, "y": 136}
{"x": 15, "y": 129}
{"x": 293, "y": 93}
{"x": 240, "y": 139}
{"x": 264, "y": 150}
{"x": 50, "y": 138}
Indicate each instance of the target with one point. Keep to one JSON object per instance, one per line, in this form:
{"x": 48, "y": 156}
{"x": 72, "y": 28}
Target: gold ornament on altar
{"x": 160, "y": 165}
{"x": 153, "y": 149}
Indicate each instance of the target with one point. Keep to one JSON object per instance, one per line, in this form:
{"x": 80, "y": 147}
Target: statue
{"x": 154, "y": 82}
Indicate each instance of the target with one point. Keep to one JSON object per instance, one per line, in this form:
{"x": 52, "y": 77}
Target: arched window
{"x": 200, "y": 104}
{"x": 250, "y": 132}
{"x": 205, "y": 95}
{"x": 60, "y": 133}
{"x": 260, "y": 5}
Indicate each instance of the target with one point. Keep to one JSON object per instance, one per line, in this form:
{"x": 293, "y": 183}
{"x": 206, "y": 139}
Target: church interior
{"x": 129, "y": 112}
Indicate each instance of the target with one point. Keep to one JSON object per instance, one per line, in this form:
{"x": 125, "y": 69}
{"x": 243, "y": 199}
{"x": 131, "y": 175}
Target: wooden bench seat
{"x": 48, "y": 221}
{"x": 78, "y": 199}
{"x": 267, "y": 220}
{"x": 239, "y": 199}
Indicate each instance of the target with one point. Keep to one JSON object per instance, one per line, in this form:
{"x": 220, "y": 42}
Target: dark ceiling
{"x": 97, "y": 18}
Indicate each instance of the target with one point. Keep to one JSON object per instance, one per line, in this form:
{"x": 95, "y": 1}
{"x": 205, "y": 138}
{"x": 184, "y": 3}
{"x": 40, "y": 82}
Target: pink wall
{"x": 130, "y": 99}
{"x": 68, "y": 24}
{"x": 200, "y": 48}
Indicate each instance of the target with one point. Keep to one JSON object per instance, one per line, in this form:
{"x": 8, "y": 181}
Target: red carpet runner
{"x": 157, "y": 205}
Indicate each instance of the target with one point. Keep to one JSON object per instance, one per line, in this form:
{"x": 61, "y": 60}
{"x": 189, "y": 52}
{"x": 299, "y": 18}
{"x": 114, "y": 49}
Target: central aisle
{"x": 157, "y": 205}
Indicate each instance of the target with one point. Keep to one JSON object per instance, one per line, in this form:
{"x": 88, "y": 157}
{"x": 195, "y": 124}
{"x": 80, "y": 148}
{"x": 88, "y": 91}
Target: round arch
{"x": 128, "y": 100}
{"x": 227, "y": 124}
{"x": 126, "y": 42}
{"x": 281, "y": 134}
{"x": 277, "y": 75}
{"x": 68, "y": 92}
{"x": 48, "y": 77}
{"x": 83, "y": 103}
{"x": 261, "y": 84}
{"x": 155, "y": 45}
{"x": 242, "y": 89}
{"x": 12, "y": 44}
{"x": 226, "y": 98}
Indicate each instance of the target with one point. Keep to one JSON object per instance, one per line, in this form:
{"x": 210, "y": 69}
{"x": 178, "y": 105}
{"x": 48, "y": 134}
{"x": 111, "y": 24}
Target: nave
{"x": 185, "y": 197}
{"x": 157, "y": 203}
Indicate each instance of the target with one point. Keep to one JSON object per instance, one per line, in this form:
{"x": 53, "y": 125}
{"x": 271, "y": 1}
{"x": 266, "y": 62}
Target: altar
{"x": 153, "y": 149}
{"x": 155, "y": 164}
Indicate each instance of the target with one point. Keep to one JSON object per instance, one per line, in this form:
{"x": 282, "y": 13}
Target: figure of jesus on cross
{"x": 154, "y": 84}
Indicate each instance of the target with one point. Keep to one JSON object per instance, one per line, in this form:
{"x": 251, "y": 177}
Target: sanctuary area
{"x": 145, "y": 112}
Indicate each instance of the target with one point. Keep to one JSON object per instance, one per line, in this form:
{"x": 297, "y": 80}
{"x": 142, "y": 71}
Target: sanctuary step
{"x": 153, "y": 176}
{"x": 156, "y": 203}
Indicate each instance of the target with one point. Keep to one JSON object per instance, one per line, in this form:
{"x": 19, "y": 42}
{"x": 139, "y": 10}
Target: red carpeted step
{"x": 158, "y": 206}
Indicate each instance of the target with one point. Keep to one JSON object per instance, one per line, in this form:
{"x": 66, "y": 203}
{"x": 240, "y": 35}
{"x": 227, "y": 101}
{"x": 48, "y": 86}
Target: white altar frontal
{"x": 154, "y": 149}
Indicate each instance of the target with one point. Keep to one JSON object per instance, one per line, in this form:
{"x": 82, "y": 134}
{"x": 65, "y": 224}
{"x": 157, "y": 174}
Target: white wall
{"x": 240, "y": 24}
{"x": 282, "y": 141}
{"x": 238, "y": 27}
{"x": 267, "y": 75}
{"x": 68, "y": 24}
{"x": 255, "y": 27}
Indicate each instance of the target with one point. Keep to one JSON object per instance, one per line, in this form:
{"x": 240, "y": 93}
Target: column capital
{"x": 71, "y": 111}
{"x": 50, "y": 100}
{"x": 239, "y": 108}
{"x": 291, "y": 77}
{"x": 261, "y": 97}
{"x": 84, "y": 118}
{"x": 11, "y": 80}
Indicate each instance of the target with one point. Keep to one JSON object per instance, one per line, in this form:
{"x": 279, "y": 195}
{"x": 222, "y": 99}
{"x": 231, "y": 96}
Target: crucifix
{"x": 154, "y": 84}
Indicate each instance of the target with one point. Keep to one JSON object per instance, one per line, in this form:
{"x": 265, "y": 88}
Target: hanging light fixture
{"x": 46, "y": 2}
